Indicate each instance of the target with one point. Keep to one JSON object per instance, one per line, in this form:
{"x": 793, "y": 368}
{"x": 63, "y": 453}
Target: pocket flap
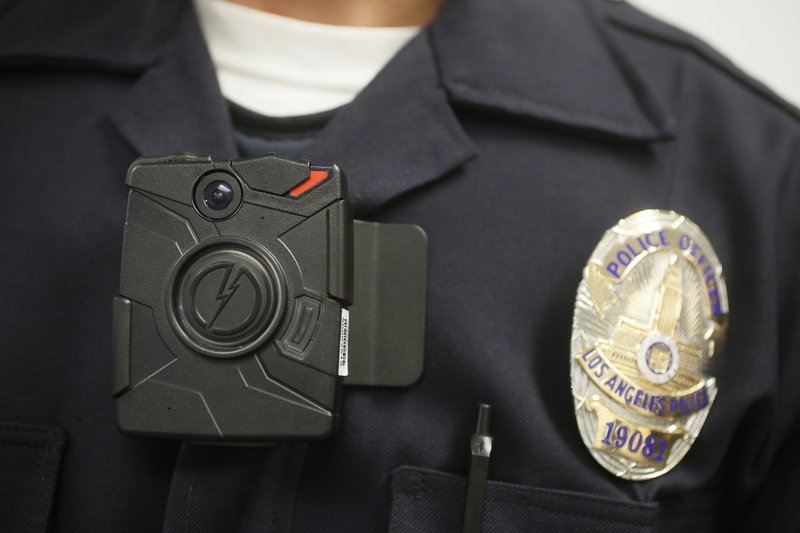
{"x": 427, "y": 500}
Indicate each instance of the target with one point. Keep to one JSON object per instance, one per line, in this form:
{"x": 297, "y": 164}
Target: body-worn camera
{"x": 248, "y": 295}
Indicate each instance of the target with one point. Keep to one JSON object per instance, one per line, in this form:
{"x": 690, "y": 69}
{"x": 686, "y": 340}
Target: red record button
{"x": 315, "y": 177}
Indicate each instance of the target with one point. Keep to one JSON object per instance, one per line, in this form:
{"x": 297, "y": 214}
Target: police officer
{"x": 515, "y": 133}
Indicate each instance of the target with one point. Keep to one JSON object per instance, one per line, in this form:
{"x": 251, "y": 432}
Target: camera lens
{"x": 218, "y": 195}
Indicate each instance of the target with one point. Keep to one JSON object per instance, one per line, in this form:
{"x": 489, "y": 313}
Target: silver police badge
{"x": 650, "y": 312}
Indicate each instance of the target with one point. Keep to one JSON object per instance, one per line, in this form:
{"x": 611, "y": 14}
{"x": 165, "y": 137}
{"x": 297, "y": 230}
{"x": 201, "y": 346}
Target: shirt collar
{"x": 552, "y": 62}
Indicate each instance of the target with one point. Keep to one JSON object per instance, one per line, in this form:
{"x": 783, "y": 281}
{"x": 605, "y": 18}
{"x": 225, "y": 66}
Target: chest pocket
{"x": 426, "y": 500}
{"x": 29, "y": 461}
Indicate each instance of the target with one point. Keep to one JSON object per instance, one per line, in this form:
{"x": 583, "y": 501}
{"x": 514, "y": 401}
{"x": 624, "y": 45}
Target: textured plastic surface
{"x": 387, "y": 338}
{"x": 227, "y": 330}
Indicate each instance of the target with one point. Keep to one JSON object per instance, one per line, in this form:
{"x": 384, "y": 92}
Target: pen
{"x": 480, "y": 455}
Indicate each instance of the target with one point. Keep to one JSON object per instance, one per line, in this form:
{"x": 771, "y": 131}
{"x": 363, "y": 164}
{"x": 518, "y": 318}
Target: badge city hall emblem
{"x": 650, "y": 312}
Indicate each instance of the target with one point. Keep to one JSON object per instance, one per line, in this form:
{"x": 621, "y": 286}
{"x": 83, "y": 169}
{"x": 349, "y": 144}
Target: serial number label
{"x": 344, "y": 343}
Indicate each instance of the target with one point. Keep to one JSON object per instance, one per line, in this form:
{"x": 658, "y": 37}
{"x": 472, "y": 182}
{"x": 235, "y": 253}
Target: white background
{"x": 761, "y": 36}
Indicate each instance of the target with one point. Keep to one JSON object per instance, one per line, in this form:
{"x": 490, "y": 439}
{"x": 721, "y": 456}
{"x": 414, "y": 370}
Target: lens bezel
{"x": 204, "y": 182}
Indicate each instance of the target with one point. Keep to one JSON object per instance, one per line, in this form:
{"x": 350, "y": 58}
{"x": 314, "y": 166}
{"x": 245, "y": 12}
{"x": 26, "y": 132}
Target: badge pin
{"x": 650, "y": 312}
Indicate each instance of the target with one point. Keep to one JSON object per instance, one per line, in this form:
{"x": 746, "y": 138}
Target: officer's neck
{"x": 375, "y": 13}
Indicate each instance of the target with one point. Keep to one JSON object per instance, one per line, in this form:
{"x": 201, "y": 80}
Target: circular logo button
{"x": 226, "y": 298}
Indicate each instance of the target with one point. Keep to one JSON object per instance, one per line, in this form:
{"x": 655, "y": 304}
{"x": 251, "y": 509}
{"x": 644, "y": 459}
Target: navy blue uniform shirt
{"x": 515, "y": 132}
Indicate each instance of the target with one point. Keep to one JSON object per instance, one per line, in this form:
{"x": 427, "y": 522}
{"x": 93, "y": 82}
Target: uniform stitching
{"x": 188, "y": 501}
{"x": 415, "y": 494}
{"x": 696, "y": 47}
{"x": 23, "y": 445}
{"x": 674, "y": 163}
{"x": 574, "y": 513}
{"x": 432, "y": 157}
{"x": 6, "y": 429}
{"x": 415, "y": 491}
{"x": 521, "y": 102}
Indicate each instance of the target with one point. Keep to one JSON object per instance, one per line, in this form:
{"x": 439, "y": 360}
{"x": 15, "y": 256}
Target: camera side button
{"x": 298, "y": 335}
{"x": 121, "y": 341}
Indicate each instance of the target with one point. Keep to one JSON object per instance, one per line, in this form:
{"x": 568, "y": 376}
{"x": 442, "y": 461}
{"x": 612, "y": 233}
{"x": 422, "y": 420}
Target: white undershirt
{"x": 279, "y": 66}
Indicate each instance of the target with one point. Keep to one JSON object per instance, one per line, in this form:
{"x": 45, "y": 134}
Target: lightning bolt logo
{"x": 227, "y": 288}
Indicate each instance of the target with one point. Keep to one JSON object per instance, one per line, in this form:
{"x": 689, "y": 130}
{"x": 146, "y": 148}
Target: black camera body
{"x": 232, "y": 323}
{"x": 249, "y": 296}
